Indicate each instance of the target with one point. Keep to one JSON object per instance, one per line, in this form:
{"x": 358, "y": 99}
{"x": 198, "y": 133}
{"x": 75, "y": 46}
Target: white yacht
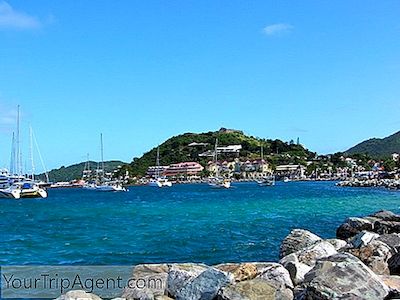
{"x": 217, "y": 181}
{"x": 4, "y": 179}
{"x": 267, "y": 181}
{"x": 110, "y": 187}
{"x": 24, "y": 189}
{"x": 103, "y": 184}
{"x": 159, "y": 181}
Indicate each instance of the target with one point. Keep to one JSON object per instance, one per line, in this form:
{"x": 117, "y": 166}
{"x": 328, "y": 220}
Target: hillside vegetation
{"x": 378, "y": 148}
{"x": 176, "y": 149}
{"x": 75, "y": 171}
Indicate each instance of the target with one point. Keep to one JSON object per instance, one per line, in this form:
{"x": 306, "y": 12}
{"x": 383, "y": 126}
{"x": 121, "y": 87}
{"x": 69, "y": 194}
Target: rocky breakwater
{"x": 393, "y": 184}
{"x": 362, "y": 262}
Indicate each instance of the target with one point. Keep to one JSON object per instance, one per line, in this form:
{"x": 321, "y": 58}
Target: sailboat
{"x": 103, "y": 185}
{"x": 217, "y": 181}
{"x": 21, "y": 187}
{"x": 266, "y": 180}
{"x": 159, "y": 181}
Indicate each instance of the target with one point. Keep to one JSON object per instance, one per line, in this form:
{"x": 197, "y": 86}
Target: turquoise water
{"x": 179, "y": 224}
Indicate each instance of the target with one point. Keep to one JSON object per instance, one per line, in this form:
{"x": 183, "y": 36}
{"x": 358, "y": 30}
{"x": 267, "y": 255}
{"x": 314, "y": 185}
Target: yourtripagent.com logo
{"x": 52, "y": 281}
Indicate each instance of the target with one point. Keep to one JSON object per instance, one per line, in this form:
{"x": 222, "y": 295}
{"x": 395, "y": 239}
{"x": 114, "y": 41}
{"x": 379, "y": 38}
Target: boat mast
{"x": 31, "y": 153}
{"x": 40, "y": 156}
{"x": 262, "y": 153}
{"x": 102, "y": 155}
{"x": 18, "y": 146}
{"x": 158, "y": 163}
{"x": 12, "y": 158}
{"x": 216, "y": 158}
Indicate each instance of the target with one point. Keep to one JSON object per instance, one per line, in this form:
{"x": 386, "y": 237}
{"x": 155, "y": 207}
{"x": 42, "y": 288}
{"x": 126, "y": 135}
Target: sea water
{"x": 184, "y": 223}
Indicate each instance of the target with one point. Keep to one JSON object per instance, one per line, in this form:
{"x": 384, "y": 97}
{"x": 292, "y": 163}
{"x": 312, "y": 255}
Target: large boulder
{"x": 352, "y": 226}
{"x": 297, "y": 270}
{"x": 386, "y": 215}
{"x": 78, "y": 295}
{"x": 302, "y": 261}
{"x": 342, "y": 276}
{"x": 392, "y": 240}
{"x": 394, "y": 264}
{"x": 338, "y": 244}
{"x": 393, "y": 282}
{"x": 255, "y": 289}
{"x": 205, "y": 286}
{"x": 297, "y": 240}
{"x": 362, "y": 238}
{"x": 180, "y": 274}
{"x": 151, "y": 279}
{"x": 386, "y": 227}
{"x": 273, "y": 273}
{"x": 240, "y": 271}
{"x": 375, "y": 255}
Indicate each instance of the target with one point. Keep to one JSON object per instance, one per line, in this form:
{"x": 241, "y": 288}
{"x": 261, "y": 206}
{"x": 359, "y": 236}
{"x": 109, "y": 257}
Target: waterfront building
{"x": 230, "y": 149}
{"x": 152, "y": 171}
{"x": 183, "y": 169}
{"x": 194, "y": 144}
{"x": 291, "y": 171}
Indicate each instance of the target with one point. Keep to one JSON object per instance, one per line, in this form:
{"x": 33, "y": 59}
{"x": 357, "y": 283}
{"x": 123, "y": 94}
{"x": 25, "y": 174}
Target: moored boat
{"x": 101, "y": 184}
{"x": 159, "y": 181}
{"x": 217, "y": 181}
{"x": 266, "y": 181}
{"x": 24, "y": 189}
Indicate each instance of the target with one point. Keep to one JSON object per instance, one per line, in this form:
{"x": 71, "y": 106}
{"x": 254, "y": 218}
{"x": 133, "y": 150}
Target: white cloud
{"x": 277, "y": 29}
{"x": 12, "y": 19}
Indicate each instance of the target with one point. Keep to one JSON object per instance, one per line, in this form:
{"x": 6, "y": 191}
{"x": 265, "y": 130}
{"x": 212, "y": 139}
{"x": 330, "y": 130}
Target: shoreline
{"x": 391, "y": 184}
{"x": 361, "y": 262}
{"x": 72, "y": 186}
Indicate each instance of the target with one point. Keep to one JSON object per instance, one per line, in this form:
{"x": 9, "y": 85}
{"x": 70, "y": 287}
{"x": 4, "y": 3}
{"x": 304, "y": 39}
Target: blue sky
{"x": 142, "y": 71}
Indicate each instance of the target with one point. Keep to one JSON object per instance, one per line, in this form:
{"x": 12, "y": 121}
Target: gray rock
{"x": 255, "y": 289}
{"x": 362, "y": 238}
{"x": 343, "y": 276}
{"x": 394, "y": 264}
{"x": 205, "y": 286}
{"x": 163, "y": 297}
{"x": 352, "y": 226}
{"x": 154, "y": 279}
{"x": 392, "y": 240}
{"x": 276, "y": 275}
{"x": 337, "y": 243}
{"x": 393, "y": 282}
{"x": 180, "y": 274}
{"x": 386, "y": 227}
{"x": 296, "y": 269}
{"x": 297, "y": 240}
{"x": 78, "y": 295}
{"x": 273, "y": 273}
{"x": 386, "y": 215}
{"x": 310, "y": 254}
{"x": 375, "y": 255}
{"x": 302, "y": 261}
{"x": 240, "y": 271}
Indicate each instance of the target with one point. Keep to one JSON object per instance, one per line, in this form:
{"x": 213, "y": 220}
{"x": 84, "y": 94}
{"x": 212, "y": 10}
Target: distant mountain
{"x": 75, "y": 171}
{"x": 378, "y": 147}
{"x": 188, "y": 146}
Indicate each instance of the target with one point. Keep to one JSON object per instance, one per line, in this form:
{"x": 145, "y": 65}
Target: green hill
{"x": 176, "y": 149}
{"x": 378, "y": 148}
{"x": 75, "y": 171}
